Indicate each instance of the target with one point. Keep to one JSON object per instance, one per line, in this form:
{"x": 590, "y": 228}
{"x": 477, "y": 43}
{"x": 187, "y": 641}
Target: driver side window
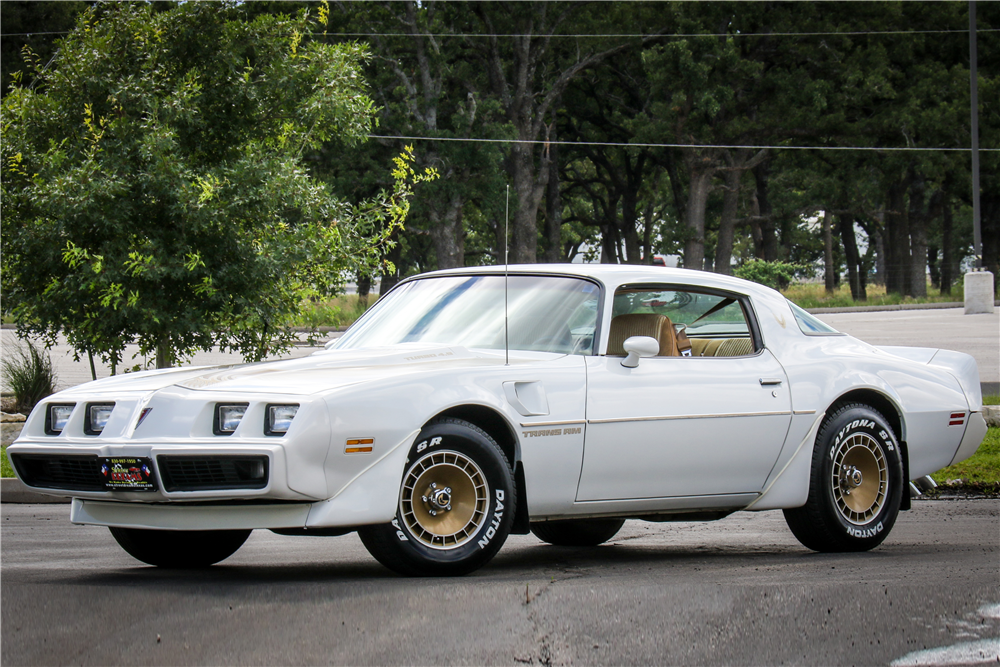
{"x": 687, "y": 323}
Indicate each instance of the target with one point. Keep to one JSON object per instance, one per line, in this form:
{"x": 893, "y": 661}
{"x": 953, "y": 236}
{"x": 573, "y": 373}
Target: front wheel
{"x": 855, "y": 486}
{"x": 180, "y": 548}
{"x": 456, "y": 504}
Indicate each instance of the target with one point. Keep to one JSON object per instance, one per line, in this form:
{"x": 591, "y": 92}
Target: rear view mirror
{"x": 638, "y": 347}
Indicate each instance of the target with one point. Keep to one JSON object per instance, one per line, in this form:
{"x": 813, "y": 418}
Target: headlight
{"x": 279, "y": 419}
{"x": 97, "y": 417}
{"x": 228, "y": 417}
{"x": 56, "y": 417}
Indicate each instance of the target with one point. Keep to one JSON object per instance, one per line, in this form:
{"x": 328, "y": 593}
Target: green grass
{"x": 813, "y": 295}
{"x": 340, "y": 311}
{"x": 991, "y": 399}
{"x": 5, "y": 469}
{"x": 982, "y": 468}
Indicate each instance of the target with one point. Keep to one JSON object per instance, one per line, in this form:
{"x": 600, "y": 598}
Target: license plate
{"x": 126, "y": 473}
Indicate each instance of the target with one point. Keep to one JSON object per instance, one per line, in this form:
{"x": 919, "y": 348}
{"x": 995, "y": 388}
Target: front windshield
{"x": 545, "y": 314}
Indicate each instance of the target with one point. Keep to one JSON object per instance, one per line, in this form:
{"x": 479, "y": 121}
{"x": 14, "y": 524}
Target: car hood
{"x": 322, "y": 371}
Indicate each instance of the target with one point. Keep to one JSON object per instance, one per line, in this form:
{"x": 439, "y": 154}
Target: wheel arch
{"x": 888, "y": 409}
{"x": 879, "y": 401}
{"x": 500, "y": 429}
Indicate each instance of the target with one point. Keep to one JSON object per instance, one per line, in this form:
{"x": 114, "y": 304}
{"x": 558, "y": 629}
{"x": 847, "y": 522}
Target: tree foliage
{"x": 155, "y": 180}
{"x": 628, "y": 129}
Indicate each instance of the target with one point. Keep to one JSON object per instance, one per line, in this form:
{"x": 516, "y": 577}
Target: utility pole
{"x": 979, "y": 288}
{"x": 977, "y": 223}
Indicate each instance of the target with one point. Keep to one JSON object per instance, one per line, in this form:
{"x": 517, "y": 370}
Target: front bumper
{"x": 189, "y": 516}
{"x": 73, "y": 471}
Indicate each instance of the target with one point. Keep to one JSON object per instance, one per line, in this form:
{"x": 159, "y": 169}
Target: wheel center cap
{"x": 852, "y": 478}
{"x": 437, "y": 499}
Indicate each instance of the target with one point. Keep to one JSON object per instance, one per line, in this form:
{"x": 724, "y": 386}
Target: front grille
{"x": 59, "y": 471}
{"x": 212, "y": 473}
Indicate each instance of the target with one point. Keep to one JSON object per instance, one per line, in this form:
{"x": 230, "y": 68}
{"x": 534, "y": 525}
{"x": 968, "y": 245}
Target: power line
{"x": 471, "y": 35}
{"x": 657, "y": 145}
{"x": 671, "y": 35}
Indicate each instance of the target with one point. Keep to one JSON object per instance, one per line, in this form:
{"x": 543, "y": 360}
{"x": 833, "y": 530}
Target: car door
{"x": 686, "y": 425}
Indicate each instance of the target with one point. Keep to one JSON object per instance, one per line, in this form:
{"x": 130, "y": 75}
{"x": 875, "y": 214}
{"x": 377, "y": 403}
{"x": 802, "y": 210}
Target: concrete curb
{"x": 992, "y": 415}
{"x": 14, "y": 491}
{"x": 898, "y": 306}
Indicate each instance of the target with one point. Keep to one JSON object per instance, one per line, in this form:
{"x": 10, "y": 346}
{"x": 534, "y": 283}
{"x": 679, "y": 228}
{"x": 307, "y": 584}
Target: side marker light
{"x": 359, "y": 445}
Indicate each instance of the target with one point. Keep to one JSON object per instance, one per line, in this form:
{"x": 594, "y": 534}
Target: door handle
{"x": 764, "y": 382}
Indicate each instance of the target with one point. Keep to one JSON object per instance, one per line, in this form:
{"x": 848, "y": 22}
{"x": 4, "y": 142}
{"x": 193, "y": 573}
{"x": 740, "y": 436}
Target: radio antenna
{"x": 506, "y": 344}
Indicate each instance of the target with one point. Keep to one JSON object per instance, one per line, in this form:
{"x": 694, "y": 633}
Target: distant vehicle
{"x": 468, "y": 404}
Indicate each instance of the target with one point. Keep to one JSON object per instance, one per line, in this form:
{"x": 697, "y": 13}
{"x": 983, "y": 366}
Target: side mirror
{"x": 638, "y": 347}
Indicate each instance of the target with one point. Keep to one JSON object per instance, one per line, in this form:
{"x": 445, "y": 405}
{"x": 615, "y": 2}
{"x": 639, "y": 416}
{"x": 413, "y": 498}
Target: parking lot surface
{"x": 739, "y": 591}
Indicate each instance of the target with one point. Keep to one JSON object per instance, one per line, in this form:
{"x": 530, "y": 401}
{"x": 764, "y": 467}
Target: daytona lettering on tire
{"x": 456, "y": 504}
{"x": 855, "y": 486}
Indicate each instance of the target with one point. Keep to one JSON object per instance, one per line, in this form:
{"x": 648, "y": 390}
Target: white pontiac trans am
{"x": 561, "y": 400}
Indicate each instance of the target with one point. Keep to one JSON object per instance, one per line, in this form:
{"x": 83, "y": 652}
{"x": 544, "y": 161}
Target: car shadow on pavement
{"x": 526, "y": 562}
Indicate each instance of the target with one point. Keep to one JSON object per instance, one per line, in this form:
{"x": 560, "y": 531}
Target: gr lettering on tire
{"x": 855, "y": 485}
{"x": 456, "y": 504}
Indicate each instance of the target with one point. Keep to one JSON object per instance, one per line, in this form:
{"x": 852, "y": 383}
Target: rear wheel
{"x": 456, "y": 504}
{"x": 180, "y": 548}
{"x": 856, "y": 483}
{"x": 577, "y": 532}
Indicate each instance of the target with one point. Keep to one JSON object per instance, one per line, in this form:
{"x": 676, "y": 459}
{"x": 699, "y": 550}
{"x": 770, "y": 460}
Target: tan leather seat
{"x": 721, "y": 347}
{"x": 642, "y": 324}
{"x": 735, "y": 347}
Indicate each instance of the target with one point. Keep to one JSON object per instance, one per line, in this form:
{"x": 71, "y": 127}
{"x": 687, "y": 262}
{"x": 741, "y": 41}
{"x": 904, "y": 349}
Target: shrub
{"x": 776, "y": 275}
{"x": 29, "y": 375}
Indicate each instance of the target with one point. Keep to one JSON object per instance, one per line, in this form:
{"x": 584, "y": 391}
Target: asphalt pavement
{"x": 948, "y": 328}
{"x": 740, "y": 591}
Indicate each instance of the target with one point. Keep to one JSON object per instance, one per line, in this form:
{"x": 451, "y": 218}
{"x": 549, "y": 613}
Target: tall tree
{"x": 528, "y": 67}
{"x": 154, "y": 186}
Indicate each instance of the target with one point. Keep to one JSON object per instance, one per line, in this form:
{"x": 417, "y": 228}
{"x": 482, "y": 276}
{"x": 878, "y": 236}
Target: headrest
{"x": 642, "y": 324}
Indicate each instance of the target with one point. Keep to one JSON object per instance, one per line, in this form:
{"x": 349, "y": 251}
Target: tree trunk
{"x": 934, "y": 265}
{"x": 989, "y": 207}
{"x": 727, "y": 224}
{"x": 829, "y": 278}
{"x": 700, "y": 184}
{"x": 897, "y": 262}
{"x": 447, "y": 233}
{"x": 768, "y": 239}
{"x": 851, "y": 255}
{"x": 630, "y": 219}
{"x": 553, "y": 207}
{"x": 364, "y": 289}
{"x": 529, "y": 190}
{"x": 647, "y": 233}
{"x": 947, "y": 246}
{"x": 918, "y": 236}
{"x": 164, "y": 355}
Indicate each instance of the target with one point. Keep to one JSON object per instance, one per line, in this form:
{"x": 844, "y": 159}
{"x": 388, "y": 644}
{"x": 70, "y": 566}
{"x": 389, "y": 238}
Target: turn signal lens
{"x": 228, "y": 417}
{"x": 359, "y": 445}
{"x": 97, "y": 417}
{"x": 57, "y": 417}
{"x": 279, "y": 419}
